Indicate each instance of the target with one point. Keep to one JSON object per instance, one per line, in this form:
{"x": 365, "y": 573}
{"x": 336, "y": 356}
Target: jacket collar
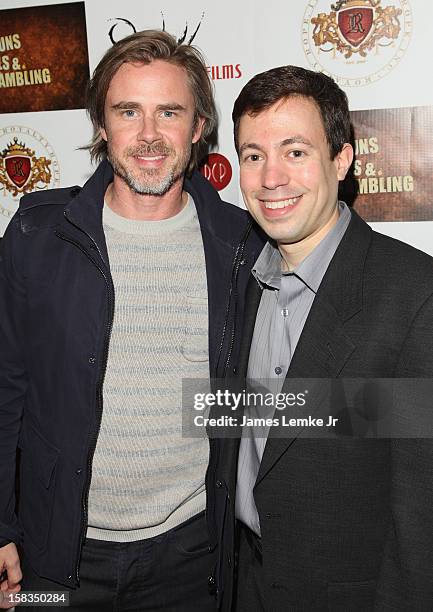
{"x": 208, "y": 203}
{"x": 85, "y": 210}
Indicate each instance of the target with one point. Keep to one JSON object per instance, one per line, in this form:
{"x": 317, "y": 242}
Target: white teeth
{"x": 152, "y": 158}
{"x": 281, "y": 203}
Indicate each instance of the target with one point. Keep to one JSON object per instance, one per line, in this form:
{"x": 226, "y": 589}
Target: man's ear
{"x": 343, "y": 160}
{"x": 103, "y": 133}
{"x": 198, "y": 129}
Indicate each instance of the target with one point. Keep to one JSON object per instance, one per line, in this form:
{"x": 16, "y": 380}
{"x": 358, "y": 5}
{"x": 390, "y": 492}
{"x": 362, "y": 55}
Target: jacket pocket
{"x": 351, "y": 596}
{"x": 195, "y": 341}
{"x": 36, "y": 489}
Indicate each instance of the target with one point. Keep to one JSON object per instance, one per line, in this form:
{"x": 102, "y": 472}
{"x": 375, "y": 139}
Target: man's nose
{"x": 149, "y": 131}
{"x": 275, "y": 174}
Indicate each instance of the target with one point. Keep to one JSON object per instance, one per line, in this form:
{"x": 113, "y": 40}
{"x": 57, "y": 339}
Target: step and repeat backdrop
{"x": 377, "y": 50}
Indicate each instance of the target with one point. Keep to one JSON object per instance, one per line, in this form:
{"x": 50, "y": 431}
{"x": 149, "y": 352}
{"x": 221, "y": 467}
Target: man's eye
{"x": 129, "y": 112}
{"x": 253, "y": 157}
{"x": 297, "y": 153}
{"x": 168, "y": 113}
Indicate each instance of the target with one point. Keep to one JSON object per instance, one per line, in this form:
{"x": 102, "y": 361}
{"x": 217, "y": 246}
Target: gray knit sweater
{"x": 146, "y": 477}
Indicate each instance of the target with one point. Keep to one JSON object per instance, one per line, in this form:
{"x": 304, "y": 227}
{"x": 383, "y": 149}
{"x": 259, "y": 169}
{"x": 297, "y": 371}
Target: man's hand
{"x": 10, "y": 573}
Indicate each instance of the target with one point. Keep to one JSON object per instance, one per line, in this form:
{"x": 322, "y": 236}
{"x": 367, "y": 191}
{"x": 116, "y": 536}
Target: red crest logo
{"x": 18, "y": 169}
{"x": 21, "y": 171}
{"x": 355, "y": 24}
{"x": 356, "y": 27}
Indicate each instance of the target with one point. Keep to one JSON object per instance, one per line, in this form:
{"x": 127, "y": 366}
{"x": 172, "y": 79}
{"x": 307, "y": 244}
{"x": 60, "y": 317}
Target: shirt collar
{"x": 267, "y": 269}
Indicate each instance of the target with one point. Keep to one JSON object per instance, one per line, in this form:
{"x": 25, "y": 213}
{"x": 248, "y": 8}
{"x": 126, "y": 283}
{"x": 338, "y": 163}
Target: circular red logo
{"x": 217, "y": 170}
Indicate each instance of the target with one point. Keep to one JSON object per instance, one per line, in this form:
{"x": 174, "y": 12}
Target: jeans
{"x": 169, "y": 572}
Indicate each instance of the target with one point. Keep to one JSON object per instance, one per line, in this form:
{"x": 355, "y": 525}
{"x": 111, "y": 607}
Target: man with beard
{"x": 110, "y": 295}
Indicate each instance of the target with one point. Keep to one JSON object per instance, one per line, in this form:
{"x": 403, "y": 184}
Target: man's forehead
{"x": 302, "y": 102}
{"x": 300, "y": 115}
{"x": 159, "y": 78}
{"x": 156, "y": 70}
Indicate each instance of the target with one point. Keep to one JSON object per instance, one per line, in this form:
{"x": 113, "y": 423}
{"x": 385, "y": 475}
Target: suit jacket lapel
{"x": 322, "y": 351}
{"x": 324, "y": 348}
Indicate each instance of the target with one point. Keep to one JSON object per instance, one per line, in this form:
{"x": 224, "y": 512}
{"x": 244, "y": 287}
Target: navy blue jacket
{"x": 56, "y": 312}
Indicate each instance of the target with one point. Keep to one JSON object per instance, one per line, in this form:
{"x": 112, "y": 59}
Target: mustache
{"x": 159, "y": 148}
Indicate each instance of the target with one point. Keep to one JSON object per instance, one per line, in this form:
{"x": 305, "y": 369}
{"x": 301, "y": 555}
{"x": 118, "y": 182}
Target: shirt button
{"x": 92, "y": 359}
{"x": 79, "y": 472}
{"x": 285, "y": 312}
{"x": 219, "y": 484}
{"x": 278, "y": 370}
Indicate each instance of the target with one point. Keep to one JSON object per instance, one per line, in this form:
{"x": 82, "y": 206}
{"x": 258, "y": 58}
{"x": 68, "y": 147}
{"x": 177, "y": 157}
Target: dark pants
{"x": 169, "y": 572}
{"x": 249, "y": 594}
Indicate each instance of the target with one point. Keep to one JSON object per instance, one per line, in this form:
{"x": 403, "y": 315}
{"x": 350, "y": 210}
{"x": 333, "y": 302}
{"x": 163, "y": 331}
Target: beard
{"x": 150, "y": 181}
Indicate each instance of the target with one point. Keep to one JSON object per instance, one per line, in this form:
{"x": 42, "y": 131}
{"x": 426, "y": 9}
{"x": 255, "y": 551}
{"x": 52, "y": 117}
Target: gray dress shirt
{"x": 284, "y": 306}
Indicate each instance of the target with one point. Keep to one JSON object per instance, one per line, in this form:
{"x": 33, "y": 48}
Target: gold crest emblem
{"x": 356, "y": 26}
{"x": 21, "y": 171}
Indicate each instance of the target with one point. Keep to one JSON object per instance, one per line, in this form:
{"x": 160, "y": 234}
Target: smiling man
{"x": 330, "y": 524}
{"x": 290, "y": 184}
{"x": 110, "y": 295}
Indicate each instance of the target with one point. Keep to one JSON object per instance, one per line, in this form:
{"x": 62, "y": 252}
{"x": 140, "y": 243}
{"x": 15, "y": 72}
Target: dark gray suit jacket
{"x": 346, "y": 524}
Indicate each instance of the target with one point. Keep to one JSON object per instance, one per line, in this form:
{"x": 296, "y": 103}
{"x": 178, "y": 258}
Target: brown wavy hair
{"x": 143, "y": 48}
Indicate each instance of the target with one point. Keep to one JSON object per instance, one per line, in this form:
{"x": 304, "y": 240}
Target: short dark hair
{"x": 143, "y": 48}
{"x": 267, "y": 88}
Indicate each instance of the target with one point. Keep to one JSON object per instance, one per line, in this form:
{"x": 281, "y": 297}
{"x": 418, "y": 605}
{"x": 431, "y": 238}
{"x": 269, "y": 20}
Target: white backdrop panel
{"x": 239, "y": 39}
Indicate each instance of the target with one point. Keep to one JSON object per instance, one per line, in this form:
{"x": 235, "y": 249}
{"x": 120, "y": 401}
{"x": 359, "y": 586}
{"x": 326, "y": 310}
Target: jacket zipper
{"x": 237, "y": 261}
{"x": 94, "y": 437}
{"x": 235, "y": 293}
